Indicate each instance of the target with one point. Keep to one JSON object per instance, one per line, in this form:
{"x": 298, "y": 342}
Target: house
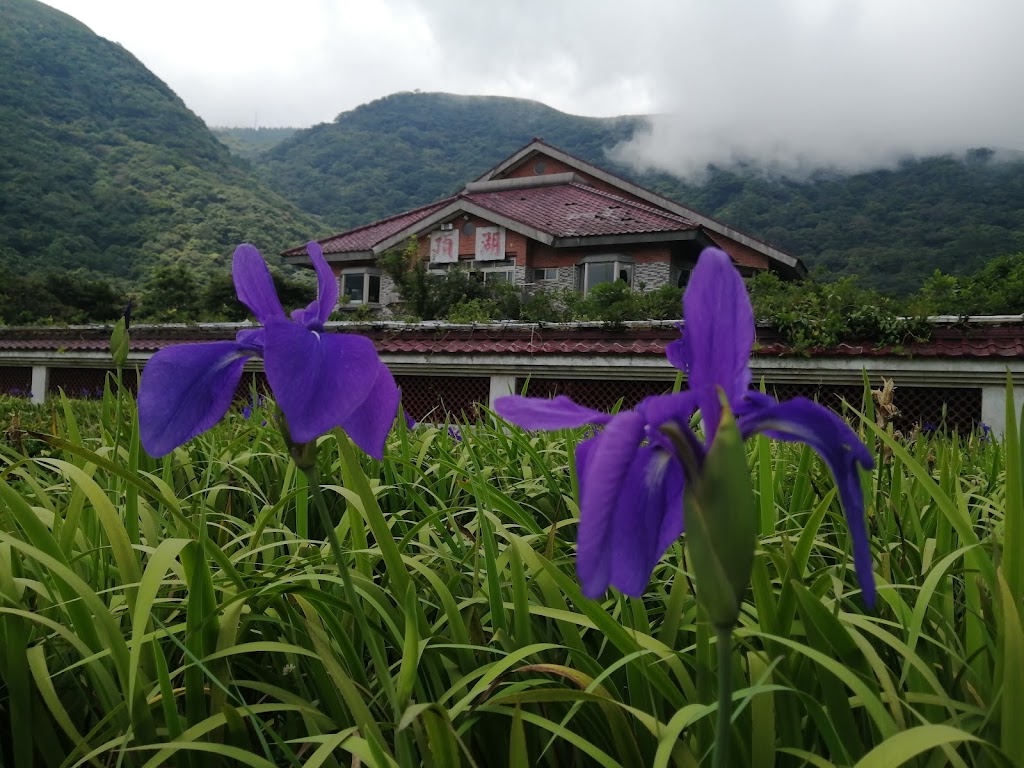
{"x": 544, "y": 218}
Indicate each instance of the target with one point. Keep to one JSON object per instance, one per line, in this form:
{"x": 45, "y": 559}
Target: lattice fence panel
{"x": 16, "y": 381}
{"x": 86, "y": 383}
{"x": 441, "y": 398}
{"x": 252, "y": 380}
{"x": 600, "y": 394}
{"x": 950, "y": 407}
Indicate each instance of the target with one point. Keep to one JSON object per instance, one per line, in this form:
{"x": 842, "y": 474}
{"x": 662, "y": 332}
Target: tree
{"x": 171, "y": 294}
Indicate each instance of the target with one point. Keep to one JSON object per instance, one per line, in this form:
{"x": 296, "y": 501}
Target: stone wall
{"x": 648, "y": 277}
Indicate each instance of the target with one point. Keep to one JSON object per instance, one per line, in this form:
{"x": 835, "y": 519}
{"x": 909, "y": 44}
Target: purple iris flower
{"x": 320, "y": 380}
{"x": 631, "y": 474}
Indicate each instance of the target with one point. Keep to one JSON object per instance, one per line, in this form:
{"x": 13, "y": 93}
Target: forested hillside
{"x": 103, "y": 168}
{"x": 104, "y": 171}
{"x": 408, "y": 149}
{"x": 892, "y": 227}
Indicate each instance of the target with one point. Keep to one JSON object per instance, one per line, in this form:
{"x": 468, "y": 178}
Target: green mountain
{"x": 893, "y": 228}
{"x": 411, "y": 148}
{"x": 104, "y": 169}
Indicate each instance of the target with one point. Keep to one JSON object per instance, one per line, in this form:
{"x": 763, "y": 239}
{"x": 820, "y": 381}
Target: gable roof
{"x": 556, "y": 214}
{"x": 790, "y": 264}
{"x": 558, "y": 209}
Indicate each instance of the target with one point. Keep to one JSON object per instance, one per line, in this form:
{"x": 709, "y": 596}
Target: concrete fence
{"x": 957, "y": 378}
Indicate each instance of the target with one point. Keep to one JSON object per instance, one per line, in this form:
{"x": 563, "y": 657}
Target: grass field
{"x": 187, "y": 611}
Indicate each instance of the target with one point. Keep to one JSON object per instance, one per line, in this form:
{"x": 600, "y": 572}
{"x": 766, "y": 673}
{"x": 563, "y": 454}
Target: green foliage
{"x": 891, "y": 228}
{"x": 152, "y": 612}
{"x": 549, "y": 306}
{"x": 811, "y": 314}
{"x": 457, "y": 296}
{"x": 170, "y": 294}
{"x": 995, "y": 289}
{"x": 103, "y": 168}
{"x": 57, "y": 297}
{"x": 21, "y": 418}
{"x": 616, "y": 302}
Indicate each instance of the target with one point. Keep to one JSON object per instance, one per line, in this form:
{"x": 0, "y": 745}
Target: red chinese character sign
{"x": 444, "y": 247}
{"x": 490, "y": 243}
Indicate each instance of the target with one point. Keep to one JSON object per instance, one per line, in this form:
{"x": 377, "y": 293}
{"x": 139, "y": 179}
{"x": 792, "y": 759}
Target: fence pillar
{"x": 993, "y": 406}
{"x": 501, "y": 386}
{"x": 40, "y": 383}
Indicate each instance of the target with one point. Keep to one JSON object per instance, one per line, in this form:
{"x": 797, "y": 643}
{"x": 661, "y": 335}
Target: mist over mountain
{"x": 893, "y": 227}
{"x": 103, "y": 168}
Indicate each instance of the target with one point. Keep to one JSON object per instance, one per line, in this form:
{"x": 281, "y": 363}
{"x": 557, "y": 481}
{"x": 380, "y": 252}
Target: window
{"x": 492, "y": 275}
{"x": 497, "y": 275}
{"x": 495, "y": 272}
{"x": 361, "y": 287}
{"x": 545, "y": 274}
{"x": 606, "y": 269}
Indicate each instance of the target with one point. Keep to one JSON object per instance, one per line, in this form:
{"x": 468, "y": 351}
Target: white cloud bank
{"x": 791, "y": 85}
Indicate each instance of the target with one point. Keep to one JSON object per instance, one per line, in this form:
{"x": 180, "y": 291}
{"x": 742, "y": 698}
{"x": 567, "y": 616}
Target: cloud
{"x": 790, "y": 85}
{"x": 268, "y": 62}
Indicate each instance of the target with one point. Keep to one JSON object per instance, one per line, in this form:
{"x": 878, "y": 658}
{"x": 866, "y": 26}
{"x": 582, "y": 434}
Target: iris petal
{"x": 677, "y": 407}
{"x": 539, "y": 413}
{"x": 800, "y": 420}
{"x": 326, "y": 282}
{"x": 317, "y": 378}
{"x": 368, "y": 425}
{"x": 252, "y": 338}
{"x": 648, "y": 517}
{"x": 254, "y": 285}
{"x": 608, "y": 459}
{"x": 718, "y": 335}
{"x": 318, "y": 311}
{"x": 185, "y": 390}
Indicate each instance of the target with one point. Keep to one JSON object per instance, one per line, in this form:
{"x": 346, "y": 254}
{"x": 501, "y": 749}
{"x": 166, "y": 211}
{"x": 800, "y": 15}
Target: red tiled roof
{"x": 576, "y": 210}
{"x": 564, "y": 210}
{"x": 365, "y": 237}
{"x": 946, "y": 342}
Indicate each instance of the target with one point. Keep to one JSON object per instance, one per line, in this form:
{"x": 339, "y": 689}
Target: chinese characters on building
{"x": 444, "y": 247}
{"x": 490, "y": 243}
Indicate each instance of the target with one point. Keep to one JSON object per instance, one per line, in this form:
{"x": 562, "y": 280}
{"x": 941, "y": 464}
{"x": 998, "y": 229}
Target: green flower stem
{"x": 723, "y": 731}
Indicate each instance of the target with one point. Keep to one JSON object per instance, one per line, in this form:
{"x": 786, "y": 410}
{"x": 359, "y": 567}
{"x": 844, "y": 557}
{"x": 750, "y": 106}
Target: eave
{"x": 462, "y": 206}
{"x": 302, "y": 260}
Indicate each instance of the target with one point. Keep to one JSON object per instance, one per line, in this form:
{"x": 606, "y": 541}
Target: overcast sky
{"x": 793, "y": 84}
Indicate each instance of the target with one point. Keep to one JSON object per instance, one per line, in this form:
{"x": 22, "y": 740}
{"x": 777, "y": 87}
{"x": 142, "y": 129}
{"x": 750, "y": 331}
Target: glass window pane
{"x": 352, "y": 286}
{"x": 602, "y": 272}
{"x": 624, "y": 272}
{"x": 373, "y": 294}
{"x": 499, "y": 277}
